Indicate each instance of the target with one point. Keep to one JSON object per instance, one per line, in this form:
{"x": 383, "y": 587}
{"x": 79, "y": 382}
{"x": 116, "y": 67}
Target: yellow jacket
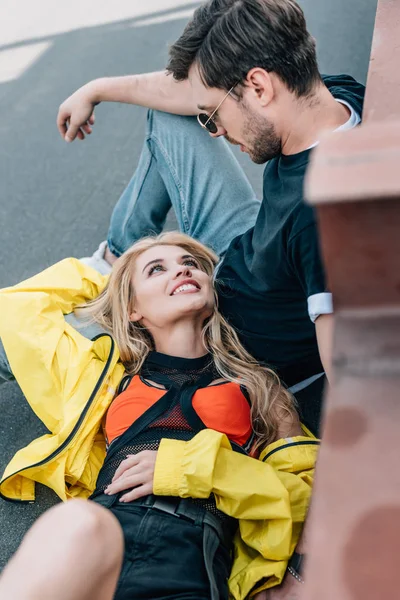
{"x": 70, "y": 381}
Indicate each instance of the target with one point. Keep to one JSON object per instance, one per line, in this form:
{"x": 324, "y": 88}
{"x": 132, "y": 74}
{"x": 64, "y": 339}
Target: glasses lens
{"x": 208, "y": 123}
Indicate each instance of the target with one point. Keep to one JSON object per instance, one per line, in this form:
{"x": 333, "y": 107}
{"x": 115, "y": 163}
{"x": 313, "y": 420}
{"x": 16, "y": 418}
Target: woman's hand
{"x": 136, "y": 471}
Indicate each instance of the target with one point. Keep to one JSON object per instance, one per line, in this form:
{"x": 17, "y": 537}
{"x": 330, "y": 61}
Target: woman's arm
{"x": 159, "y": 91}
{"x": 243, "y": 486}
{"x": 40, "y": 345}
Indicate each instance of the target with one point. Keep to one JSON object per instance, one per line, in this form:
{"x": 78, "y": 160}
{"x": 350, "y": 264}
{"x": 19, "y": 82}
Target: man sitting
{"x": 248, "y": 70}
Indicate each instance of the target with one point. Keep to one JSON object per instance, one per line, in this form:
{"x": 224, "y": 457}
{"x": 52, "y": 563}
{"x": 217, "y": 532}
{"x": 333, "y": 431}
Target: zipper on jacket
{"x": 74, "y": 431}
{"x": 238, "y": 448}
{"x": 303, "y": 443}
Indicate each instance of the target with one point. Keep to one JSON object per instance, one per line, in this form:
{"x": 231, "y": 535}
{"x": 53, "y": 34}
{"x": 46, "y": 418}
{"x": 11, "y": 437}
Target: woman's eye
{"x": 155, "y": 269}
{"x": 191, "y": 262}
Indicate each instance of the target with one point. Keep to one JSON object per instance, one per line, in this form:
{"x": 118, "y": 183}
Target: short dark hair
{"x": 227, "y": 38}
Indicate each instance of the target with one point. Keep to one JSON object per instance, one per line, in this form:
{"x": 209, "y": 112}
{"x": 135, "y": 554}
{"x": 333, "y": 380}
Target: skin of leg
{"x": 73, "y": 552}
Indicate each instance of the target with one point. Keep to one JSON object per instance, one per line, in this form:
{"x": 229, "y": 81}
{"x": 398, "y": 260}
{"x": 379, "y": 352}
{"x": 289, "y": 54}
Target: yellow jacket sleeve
{"x": 244, "y": 488}
{"x": 68, "y": 283}
{"x": 47, "y": 355}
{"x": 68, "y": 380}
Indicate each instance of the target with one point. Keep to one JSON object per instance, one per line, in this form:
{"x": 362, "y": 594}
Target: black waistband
{"x": 185, "y": 508}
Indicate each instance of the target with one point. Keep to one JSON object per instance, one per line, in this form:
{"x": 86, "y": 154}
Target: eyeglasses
{"x": 207, "y": 122}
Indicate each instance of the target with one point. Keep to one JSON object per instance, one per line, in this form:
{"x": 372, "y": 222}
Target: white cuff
{"x": 319, "y": 304}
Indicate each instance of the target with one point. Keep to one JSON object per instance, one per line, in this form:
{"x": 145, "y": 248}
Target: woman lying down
{"x": 199, "y": 475}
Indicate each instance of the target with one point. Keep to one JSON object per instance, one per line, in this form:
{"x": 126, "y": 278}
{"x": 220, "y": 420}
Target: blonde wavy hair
{"x": 271, "y": 403}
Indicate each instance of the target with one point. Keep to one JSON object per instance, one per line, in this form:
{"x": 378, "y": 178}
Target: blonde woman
{"x": 207, "y": 471}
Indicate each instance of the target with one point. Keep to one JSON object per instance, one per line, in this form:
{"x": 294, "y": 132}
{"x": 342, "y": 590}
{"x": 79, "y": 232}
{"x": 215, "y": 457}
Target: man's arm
{"x": 324, "y": 330}
{"x": 159, "y": 91}
{"x": 305, "y": 257}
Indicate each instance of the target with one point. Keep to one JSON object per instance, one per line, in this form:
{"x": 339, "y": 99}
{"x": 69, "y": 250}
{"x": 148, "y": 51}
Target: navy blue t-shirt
{"x": 269, "y": 272}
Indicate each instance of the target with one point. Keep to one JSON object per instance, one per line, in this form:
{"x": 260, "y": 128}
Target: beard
{"x": 261, "y": 140}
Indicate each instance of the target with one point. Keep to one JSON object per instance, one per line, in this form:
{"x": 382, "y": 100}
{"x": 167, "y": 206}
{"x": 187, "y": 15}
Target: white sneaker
{"x": 97, "y": 261}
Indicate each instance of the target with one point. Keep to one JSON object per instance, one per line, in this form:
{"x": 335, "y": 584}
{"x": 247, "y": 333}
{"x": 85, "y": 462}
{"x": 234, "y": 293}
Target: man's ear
{"x": 135, "y": 316}
{"x": 260, "y": 83}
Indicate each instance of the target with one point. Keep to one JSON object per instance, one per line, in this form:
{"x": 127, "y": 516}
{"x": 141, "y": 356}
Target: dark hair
{"x": 227, "y": 38}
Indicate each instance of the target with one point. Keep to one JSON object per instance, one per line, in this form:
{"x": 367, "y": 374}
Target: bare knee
{"x": 78, "y": 537}
{"x": 86, "y": 530}
{"x": 94, "y": 527}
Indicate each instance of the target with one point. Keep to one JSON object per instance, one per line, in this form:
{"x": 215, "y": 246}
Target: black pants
{"x": 165, "y": 554}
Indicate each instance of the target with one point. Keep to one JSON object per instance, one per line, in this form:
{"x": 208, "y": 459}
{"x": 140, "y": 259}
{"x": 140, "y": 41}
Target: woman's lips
{"x": 186, "y": 287}
{"x": 192, "y": 290}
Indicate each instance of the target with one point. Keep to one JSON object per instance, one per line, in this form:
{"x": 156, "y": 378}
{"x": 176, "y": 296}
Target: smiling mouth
{"x": 186, "y": 288}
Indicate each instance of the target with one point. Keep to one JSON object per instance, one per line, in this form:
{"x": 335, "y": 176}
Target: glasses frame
{"x": 210, "y": 121}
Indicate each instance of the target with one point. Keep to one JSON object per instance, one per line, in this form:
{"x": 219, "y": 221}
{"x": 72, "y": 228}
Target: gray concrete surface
{"x": 56, "y": 199}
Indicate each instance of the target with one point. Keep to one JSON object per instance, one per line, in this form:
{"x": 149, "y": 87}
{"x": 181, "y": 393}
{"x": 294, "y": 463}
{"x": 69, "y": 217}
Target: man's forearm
{"x": 157, "y": 90}
{"x": 324, "y": 329}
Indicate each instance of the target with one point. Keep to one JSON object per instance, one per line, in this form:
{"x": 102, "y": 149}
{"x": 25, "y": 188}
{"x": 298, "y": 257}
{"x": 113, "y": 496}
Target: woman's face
{"x": 170, "y": 286}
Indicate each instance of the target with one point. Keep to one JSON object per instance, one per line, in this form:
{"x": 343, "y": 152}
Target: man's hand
{"x": 158, "y": 91}
{"x": 136, "y": 471}
{"x": 76, "y": 114}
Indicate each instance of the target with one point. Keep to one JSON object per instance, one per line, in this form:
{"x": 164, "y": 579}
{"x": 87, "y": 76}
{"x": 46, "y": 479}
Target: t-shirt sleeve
{"x": 305, "y": 258}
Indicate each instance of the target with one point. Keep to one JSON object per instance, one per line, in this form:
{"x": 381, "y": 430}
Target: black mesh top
{"x": 175, "y": 371}
{"x": 172, "y": 416}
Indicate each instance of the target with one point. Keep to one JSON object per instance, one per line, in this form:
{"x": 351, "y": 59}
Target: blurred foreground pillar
{"x": 354, "y": 181}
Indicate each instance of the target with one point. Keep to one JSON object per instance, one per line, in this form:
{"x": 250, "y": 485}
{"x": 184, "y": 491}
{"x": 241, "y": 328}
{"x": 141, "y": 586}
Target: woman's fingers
{"x": 138, "y": 492}
{"x": 130, "y": 461}
{"x": 135, "y": 470}
{"x": 145, "y": 459}
{"x": 129, "y": 481}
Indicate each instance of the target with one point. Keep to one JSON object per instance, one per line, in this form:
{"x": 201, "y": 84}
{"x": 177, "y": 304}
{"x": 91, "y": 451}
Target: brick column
{"x": 354, "y": 181}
